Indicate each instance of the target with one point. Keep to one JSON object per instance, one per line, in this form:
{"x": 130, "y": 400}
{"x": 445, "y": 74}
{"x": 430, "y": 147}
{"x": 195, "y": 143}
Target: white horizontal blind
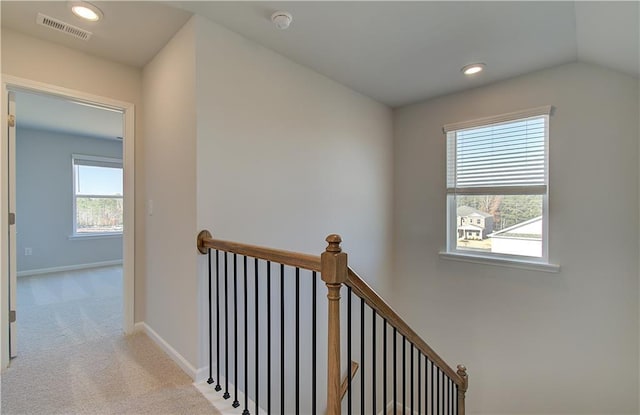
{"x": 81, "y": 160}
{"x": 500, "y": 158}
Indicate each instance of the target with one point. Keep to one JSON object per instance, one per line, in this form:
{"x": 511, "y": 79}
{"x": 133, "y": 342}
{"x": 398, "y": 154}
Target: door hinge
{"x": 12, "y": 316}
{"x": 12, "y": 218}
{"x": 12, "y": 120}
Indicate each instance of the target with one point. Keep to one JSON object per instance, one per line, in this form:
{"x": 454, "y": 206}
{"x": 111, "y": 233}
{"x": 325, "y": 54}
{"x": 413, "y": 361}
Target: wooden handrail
{"x": 364, "y": 291}
{"x": 294, "y": 259}
{"x": 332, "y": 265}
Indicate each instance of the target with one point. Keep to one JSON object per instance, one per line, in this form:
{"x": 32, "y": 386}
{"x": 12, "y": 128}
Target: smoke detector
{"x": 59, "y": 25}
{"x": 282, "y": 19}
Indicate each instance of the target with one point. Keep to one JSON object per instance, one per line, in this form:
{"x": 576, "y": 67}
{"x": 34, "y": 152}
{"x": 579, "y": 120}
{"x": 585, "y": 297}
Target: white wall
{"x": 284, "y": 157}
{"x": 30, "y": 58}
{"x": 287, "y": 156}
{"x": 170, "y": 131}
{"x": 44, "y": 201}
{"x": 328, "y": 171}
{"x": 534, "y": 342}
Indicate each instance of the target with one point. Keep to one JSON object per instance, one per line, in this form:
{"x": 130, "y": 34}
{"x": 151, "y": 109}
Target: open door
{"x": 13, "y": 332}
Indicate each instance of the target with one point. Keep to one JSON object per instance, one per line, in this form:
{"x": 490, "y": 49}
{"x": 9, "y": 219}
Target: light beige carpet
{"x": 92, "y": 369}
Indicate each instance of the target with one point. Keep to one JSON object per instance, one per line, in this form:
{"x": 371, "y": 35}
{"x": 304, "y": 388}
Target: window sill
{"x": 503, "y": 262}
{"x": 95, "y": 236}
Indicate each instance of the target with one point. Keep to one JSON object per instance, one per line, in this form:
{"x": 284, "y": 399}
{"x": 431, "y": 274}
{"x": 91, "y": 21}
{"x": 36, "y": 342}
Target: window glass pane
{"x": 96, "y": 215}
{"x": 93, "y": 180}
{"x": 501, "y": 224}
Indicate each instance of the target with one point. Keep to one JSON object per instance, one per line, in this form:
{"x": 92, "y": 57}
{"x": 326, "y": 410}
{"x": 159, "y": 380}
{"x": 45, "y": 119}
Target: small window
{"x": 497, "y": 169}
{"x": 97, "y": 200}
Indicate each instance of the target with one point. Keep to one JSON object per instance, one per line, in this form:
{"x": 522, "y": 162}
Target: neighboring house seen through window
{"x": 497, "y": 186}
{"x": 97, "y": 189}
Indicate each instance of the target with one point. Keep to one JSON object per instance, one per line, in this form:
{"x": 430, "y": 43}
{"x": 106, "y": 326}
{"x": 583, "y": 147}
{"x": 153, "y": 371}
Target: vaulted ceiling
{"x": 403, "y": 52}
{"x": 394, "y": 52}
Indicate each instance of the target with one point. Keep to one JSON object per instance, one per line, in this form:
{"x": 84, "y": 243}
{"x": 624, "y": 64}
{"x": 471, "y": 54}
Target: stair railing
{"x": 434, "y": 387}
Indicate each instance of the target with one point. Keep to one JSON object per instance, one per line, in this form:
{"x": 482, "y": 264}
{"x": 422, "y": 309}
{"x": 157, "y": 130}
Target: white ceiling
{"x": 393, "y": 51}
{"x": 132, "y": 32}
{"x": 403, "y": 52}
{"x": 46, "y": 112}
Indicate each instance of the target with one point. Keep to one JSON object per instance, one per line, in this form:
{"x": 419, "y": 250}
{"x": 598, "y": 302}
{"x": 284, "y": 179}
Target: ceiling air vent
{"x": 61, "y": 26}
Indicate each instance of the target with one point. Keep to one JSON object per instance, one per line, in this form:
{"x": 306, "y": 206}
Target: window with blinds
{"x": 98, "y": 195}
{"x": 497, "y": 186}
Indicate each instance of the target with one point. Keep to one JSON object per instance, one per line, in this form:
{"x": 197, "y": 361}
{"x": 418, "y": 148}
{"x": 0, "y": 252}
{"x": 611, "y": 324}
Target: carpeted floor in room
{"x": 73, "y": 358}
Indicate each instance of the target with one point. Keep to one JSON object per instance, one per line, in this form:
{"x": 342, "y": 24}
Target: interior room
{"x": 345, "y": 207}
{"x": 68, "y": 191}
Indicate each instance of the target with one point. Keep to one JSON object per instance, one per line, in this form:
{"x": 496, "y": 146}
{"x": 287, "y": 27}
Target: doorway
{"x": 90, "y": 189}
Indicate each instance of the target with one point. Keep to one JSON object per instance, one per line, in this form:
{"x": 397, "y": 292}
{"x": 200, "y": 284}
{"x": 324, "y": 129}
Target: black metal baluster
{"x": 444, "y": 389}
{"x": 313, "y": 345}
{"x": 426, "y": 384}
{"x": 419, "y": 382}
{"x": 455, "y": 390}
{"x": 438, "y": 390}
{"x": 384, "y": 365}
{"x": 235, "y": 328}
{"x": 395, "y": 371}
{"x": 255, "y": 278}
{"x": 282, "y": 339}
{"x": 226, "y": 328}
{"x": 449, "y": 406}
{"x": 454, "y": 396}
{"x": 450, "y": 396}
{"x": 373, "y": 360}
{"x": 210, "y": 380}
{"x": 268, "y": 337}
{"x": 433, "y": 397}
{"x": 246, "y": 346}
{"x": 444, "y": 395}
{"x": 362, "y": 358}
{"x": 218, "y": 388}
{"x": 411, "y": 381}
{"x": 297, "y": 340}
{"x": 404, "y": 375}
{"x": 349, "y": 349}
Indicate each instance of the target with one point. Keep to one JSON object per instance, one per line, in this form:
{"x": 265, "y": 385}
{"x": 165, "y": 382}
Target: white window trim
{"x": 495, "y": 119}
{"x": 105, "y": 235}
{"x": 490, "y": 258}
{"x": 512, "y": 261}
{"x": 116, "y": 162}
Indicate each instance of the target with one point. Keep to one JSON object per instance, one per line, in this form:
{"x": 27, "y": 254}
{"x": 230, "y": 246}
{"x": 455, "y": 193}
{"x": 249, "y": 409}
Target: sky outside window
{"x": 94, "y": 180}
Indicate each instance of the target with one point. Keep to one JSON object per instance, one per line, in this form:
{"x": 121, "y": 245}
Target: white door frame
{"x": 11, "y": 83}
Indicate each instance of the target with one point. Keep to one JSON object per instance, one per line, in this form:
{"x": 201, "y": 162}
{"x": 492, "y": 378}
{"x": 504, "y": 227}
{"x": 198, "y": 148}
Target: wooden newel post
{"x": 462, "y": 390}
{"x": 334, "y": 274}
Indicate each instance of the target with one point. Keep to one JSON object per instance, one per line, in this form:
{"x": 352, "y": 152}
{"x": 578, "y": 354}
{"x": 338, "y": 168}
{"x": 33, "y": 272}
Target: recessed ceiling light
{"x": 474, "y": 68}
{"x": 85, "y": 11}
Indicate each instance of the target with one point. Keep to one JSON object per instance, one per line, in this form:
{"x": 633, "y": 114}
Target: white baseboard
{"x": 202, "y": 374}
{"x": 225, "y": 406}
{"x": 68, "y": 268}
{"x": 168, "y": 349}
